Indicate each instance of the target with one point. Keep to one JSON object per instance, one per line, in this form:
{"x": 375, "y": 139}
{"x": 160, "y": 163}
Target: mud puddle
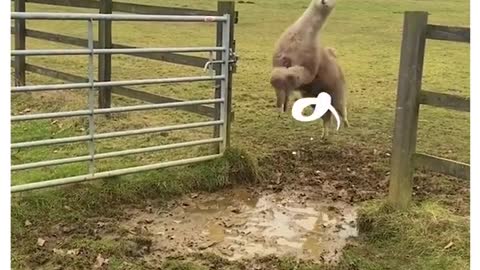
{"x": 242, "y": 224}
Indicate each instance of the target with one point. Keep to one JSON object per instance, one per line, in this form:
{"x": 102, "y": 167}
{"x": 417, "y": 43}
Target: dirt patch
{"x": 351, "y": 174}
{"x": 355, "y": 173}
{"x": 243, "y": 224}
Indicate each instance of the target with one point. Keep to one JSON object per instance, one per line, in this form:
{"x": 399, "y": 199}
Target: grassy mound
{"x": 427, "y": 236}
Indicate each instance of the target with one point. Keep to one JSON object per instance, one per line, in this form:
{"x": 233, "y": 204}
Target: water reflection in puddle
{"x": 240, "y": 225}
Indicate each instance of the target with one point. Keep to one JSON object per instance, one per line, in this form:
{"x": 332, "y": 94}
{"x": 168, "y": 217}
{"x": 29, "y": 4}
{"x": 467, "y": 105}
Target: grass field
{"x": 366, "y": 35}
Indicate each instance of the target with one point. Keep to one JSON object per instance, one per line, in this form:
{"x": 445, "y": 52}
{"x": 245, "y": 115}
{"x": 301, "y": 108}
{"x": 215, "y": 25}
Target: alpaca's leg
{"x": 342, "y": 112}
{"x": 345, "y": 120}
{"x": 339, "y": 102}
{"x": 327, "y": 120}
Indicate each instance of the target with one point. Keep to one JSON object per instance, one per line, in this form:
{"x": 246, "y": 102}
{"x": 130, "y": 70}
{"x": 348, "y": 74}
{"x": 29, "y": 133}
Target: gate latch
{"x": 233, "y": 62}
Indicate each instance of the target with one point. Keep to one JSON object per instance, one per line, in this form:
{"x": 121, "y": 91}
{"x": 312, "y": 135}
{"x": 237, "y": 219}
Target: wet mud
{"x": 243, "y": 224}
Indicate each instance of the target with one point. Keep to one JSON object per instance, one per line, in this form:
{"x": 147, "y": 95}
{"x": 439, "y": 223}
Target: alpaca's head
{"x": 284, "y": 83}
{"x": 324, "y": 6}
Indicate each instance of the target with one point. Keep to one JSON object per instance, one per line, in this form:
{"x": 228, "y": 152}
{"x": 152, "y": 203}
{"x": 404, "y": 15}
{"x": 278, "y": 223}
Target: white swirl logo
{"x": 323, "y": 103}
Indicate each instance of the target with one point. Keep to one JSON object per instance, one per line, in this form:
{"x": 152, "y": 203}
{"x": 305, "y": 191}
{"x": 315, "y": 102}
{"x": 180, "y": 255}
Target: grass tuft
{"x": 427, "y": 236}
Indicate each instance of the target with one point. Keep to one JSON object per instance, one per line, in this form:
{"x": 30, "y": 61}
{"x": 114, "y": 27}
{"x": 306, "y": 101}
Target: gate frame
{"x": 225, "y": 61}
{"x": 416, "y": 31}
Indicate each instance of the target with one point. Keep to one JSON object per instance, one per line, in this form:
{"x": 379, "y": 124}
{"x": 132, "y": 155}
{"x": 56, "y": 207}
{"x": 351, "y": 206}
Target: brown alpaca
{"x": 329, "y": 79}
{"x": 295, "y": 60}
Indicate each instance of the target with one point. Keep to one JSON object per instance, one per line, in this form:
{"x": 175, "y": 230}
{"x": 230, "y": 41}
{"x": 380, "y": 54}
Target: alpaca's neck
{"x": 312, "y": 19}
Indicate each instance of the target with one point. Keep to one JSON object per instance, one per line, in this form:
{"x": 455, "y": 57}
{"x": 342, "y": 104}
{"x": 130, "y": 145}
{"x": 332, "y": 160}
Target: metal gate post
{"x": 224, "y": 85}
{"x": 224, "y": 7}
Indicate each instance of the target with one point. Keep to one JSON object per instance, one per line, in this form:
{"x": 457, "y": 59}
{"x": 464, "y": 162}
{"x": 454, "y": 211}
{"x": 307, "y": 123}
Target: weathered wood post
{"x": 20, "y": 34}
{"x": 105, "y": 60}
{"x": 406, "y": 114}
{"x": 224, "y": 7}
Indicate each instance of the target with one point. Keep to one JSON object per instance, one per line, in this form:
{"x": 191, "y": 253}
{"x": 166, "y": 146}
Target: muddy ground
{"x": 242, "y": 224}
{"x": 305, "y": 207}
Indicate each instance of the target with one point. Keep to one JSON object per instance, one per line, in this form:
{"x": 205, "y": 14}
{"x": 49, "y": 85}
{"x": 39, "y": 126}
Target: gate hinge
{"x": 236, "y": 17}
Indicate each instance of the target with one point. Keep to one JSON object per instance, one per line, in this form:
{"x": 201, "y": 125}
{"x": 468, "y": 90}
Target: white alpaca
{"x": 296, "y": 57}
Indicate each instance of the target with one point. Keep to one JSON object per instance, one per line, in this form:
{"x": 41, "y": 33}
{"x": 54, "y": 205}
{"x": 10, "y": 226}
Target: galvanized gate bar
{"x": 114, "y": 51}
{"x": 89, "y": 177}
{"x": 91, "y": 101}
{"x": 113, "y": 154}
{"x": 52, "y": 87}
{"x": 113, "y": 110}
{"x": 115, "y": 134}
{"x": 114, "y": 17}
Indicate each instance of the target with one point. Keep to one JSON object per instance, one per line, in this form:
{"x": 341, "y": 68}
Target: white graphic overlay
{"x": 323, "y": 103}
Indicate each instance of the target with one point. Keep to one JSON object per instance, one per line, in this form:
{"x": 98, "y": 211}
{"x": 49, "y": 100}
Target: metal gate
{"x": 94, "y": 86}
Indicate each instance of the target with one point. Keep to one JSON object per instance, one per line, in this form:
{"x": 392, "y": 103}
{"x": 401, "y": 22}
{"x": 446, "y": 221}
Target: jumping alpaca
{"x": 329, "y": 79}
{"x": 295, "y": 60}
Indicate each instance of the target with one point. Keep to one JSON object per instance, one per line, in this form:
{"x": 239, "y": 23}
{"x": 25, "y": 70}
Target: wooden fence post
{"x": 105, "y": 60}
{"x": 224, "y": 7}
{"x": 20, "y": 34}
{"x": 406, "y": 114}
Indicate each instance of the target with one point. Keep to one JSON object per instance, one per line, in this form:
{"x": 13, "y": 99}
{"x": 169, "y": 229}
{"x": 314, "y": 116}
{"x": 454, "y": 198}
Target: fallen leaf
{"x": 58, "y": 251}
{"x": 149, "y": 220}
{"x": 207, "y": 245}
{"x": 449, "y": 245}
{"x": 41, "y": 242}
{"x": 100, "y": 261}
{"x": 73, "y": 252}
{"x": 27, "y": 223}
{"x": 101, "y": 224}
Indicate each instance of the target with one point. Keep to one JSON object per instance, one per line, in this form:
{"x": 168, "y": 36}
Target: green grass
{"x": 417, "y": 239}
{"x": 366, "y": 35}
